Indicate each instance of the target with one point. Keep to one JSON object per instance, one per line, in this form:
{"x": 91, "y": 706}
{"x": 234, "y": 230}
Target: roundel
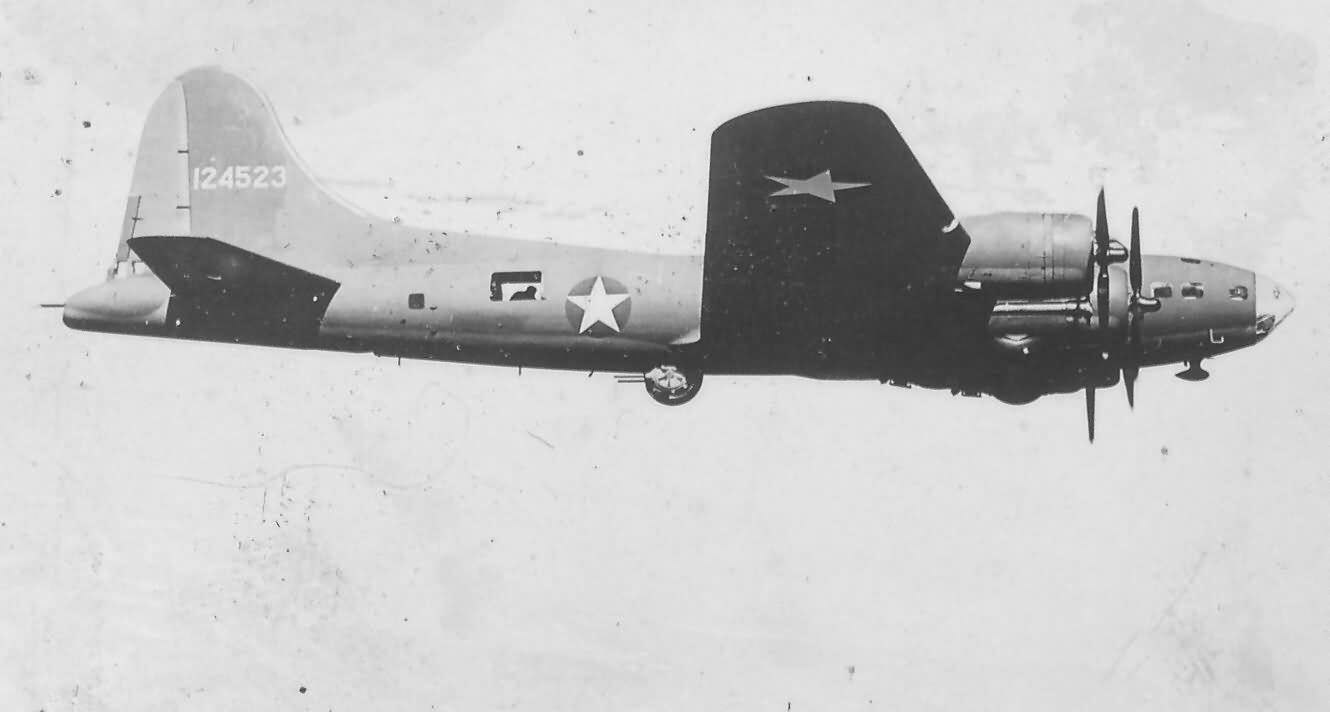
{"x": 598, "y": 306}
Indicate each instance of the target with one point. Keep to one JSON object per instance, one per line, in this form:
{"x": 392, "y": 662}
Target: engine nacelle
{"x": 1021, "y": 326}
{"x": 1040, "y": 318}
{"x": 1028, "y": 255}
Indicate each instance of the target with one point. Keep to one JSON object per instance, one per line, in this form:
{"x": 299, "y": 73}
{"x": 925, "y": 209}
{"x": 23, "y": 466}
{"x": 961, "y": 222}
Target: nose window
{"x": 1238, "y": 294}
{"x": 1161, "y": 290}
{"x": 1193, "y": 290}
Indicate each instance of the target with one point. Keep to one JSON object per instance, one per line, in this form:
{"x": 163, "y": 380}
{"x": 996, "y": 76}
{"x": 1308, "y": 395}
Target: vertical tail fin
{"x": 159, "y": 192}
{"x": 213, "y": 161}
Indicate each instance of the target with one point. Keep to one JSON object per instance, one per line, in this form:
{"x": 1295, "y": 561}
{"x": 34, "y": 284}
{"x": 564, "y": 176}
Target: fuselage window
{"x": 416, "y": 300}
{"x": 1193, "y": 290}
{"x": 516, "y": 287}
{"x": 1238, "y": 293}
{"x": 1161, "y": 290}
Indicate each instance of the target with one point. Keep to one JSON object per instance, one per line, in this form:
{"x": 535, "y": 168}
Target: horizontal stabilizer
{"x": 225, "y": 293}
{"x": 198, "y": 266}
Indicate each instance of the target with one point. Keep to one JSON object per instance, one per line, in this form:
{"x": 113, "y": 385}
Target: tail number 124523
{"x": 239, "y": 177}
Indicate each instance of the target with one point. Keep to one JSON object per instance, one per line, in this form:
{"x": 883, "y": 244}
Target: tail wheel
{"x": 671, "y": 385}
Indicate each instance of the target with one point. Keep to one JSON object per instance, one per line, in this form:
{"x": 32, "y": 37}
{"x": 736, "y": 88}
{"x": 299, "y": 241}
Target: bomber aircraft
{"x": 828, "y": 254}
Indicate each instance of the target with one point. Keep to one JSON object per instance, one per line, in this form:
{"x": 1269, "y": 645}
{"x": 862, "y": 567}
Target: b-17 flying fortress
{"x": 828, "y": 254}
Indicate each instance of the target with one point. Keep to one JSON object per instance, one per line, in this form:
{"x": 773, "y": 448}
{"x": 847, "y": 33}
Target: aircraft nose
{"x": 1273, "y": 304}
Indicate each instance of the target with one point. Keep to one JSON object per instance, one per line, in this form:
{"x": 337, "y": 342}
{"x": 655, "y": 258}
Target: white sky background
{"x": 200, "y": 526}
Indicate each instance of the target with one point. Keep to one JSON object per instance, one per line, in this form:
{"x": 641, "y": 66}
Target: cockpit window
{"x": 1238, "y": 293}
{"x": 1193, "y": 290}
{"x": 1161, "y": 290}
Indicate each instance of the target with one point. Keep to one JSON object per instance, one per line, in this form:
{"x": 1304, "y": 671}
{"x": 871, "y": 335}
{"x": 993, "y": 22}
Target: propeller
{"x": 1131, "y": 367}
{"x": 1127, "y": 355}
{"x": 1102, "y": 245}
{"x": 1106, "y": 252}
{"x": 1137, "y": 307}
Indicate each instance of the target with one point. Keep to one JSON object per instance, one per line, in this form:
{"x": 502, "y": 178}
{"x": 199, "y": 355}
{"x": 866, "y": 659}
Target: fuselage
{"x": 484, "y": 300}
{"x": 505, "y": 301}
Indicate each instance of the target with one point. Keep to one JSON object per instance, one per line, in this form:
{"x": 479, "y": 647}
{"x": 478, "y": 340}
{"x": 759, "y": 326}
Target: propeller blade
{"x": 1102, "y": 290}
{"x": 1089, "y": 411}
{"x": 1101, "y": 258}
{"x": 1129, "y": 374}
{"x": 1138, "y": 307}
{"x": 1135, "y": 354}
{"x": 1135, "y": 252}
{"x": 1101, "y": 230}
{"x": 1103, "y": 309}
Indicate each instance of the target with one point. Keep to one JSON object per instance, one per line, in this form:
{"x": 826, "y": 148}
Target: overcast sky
{"x": 190, "y": 525}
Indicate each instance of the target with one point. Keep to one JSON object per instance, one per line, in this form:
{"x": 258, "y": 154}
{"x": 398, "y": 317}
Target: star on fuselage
{"x": 598, "y": 307}
{"x": 820, "y": 185}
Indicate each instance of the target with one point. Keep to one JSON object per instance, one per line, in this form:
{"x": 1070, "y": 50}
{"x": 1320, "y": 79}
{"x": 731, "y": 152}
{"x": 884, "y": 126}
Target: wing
{"x": 222, "y": 292}
{"x": 827, "y": 245}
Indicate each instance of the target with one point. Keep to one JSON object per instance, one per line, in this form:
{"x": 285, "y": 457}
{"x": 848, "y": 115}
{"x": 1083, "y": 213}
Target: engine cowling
{"x": 1031, "y": 256}
{"x": 1043, "y": 317}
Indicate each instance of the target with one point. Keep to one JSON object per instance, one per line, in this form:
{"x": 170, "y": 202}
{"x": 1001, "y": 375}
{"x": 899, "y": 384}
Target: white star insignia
{"x": 820, "y": 185}
{"x": 598, "y": 306}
